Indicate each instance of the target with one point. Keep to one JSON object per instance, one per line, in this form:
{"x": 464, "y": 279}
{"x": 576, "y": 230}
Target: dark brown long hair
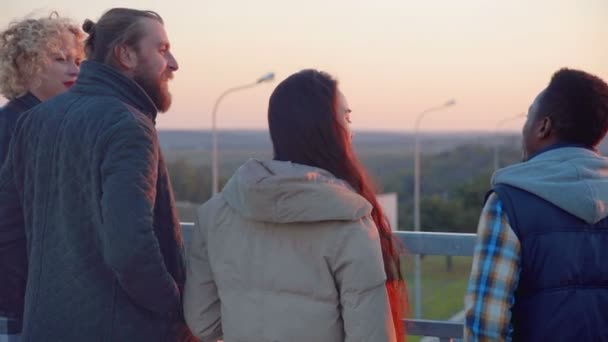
{"x": 305, "y": 129}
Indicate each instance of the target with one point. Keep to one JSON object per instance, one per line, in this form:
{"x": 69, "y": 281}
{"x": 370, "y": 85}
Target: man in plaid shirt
{"x": 540, "y": 267}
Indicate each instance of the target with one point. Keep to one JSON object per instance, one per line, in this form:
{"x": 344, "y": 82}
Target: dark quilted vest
{"x": 563, "y": 287}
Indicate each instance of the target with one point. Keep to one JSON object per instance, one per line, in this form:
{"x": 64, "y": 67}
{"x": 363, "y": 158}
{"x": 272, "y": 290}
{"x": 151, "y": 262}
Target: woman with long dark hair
{"x": 297, "y": 248}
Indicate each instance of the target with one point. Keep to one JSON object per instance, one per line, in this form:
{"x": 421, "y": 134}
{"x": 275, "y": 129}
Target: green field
{"x": 442, "y": 291}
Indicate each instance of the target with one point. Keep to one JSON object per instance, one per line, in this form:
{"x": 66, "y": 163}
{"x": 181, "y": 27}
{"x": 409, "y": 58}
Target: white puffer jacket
{"x": 286, "y": 252}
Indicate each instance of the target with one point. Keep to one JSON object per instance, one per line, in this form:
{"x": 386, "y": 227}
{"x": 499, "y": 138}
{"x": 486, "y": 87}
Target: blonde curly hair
{"x": 27, "y": 46}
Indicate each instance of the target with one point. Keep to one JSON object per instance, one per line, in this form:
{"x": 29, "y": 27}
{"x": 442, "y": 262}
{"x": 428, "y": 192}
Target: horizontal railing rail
{"x": 432, "y": 243}
{"x": 423, "y": 243}
{"x": 444, "y": 330}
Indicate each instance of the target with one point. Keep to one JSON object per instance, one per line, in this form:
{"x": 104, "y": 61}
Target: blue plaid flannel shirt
{"x": 494, "y": 277}
{"x": 10, "y": 329}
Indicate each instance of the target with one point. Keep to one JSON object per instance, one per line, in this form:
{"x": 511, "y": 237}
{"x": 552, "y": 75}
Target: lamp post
{"x": 496, "y": 144}
{"x": 214, "y": 157}
{"x": 417, "y": 289}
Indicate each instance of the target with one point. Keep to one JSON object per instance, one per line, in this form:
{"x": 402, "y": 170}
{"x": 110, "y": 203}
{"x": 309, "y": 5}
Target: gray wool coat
{"x": 86, "y": 183}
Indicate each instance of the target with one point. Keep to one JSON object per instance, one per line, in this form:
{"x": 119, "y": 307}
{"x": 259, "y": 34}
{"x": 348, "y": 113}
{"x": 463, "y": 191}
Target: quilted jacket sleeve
{"x": 360, "y": 278}
{"x": 129, "y": 173}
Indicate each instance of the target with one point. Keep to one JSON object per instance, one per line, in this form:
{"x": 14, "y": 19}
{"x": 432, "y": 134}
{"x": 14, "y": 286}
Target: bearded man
{"x": 86, "y": 182}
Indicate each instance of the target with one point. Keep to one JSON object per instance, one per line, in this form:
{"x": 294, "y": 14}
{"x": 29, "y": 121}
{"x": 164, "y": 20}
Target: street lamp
{"x": 214, "y": 162}
{"x": 496, "y": 144}
{"x": 417, "y": 289}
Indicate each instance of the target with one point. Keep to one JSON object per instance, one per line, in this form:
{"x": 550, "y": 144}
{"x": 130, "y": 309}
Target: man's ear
{"x": 126, "y": 57}
{"x": 546, "y": 127}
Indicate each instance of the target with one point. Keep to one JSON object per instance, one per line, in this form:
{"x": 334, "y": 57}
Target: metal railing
{"x": 442, "y": 244}
{"x": 423, "y": 243}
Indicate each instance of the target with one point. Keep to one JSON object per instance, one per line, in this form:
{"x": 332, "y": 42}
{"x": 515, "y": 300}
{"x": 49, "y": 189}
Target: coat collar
{"x": 101, "y": 79}
{"x": 27, "y": 101}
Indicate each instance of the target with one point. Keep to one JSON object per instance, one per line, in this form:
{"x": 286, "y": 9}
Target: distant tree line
{"x": 453, "y": 184}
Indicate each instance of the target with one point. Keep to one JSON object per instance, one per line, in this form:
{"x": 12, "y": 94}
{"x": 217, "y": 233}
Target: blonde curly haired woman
{"x": 39, "y": 58}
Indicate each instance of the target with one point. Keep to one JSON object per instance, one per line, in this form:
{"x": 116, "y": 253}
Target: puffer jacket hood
{"x": 285, "y": 192}
{"x": 572, "y": 178}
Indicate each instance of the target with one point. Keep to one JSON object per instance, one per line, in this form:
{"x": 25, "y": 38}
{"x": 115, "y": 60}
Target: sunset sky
{"x": 393, "y": 58}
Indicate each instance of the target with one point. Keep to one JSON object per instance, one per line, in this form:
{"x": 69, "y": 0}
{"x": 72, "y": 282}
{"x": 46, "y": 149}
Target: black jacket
{"x": 13, "y": 261}
{"x": 87, "y": 180}
{"x": 8, "y": 119}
